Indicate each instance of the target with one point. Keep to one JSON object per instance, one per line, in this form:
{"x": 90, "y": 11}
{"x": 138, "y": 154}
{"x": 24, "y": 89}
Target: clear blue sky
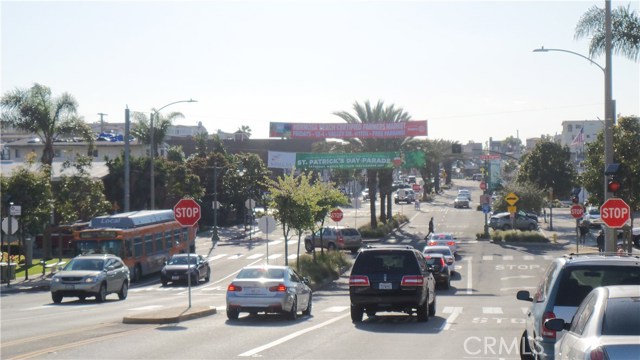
{"x": 465, "y": 66}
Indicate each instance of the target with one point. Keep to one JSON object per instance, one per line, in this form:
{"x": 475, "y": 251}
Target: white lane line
{"x": 235, "y": 257}
{"x": 454, "y": 311}
{"x": 518, "y": 288}
{"x": 293, "y": 256}
{"x": 150, "y": 307}
{"x": 507, "y": 257}
{"x": 469, "y": 276}
{"x": 492, "y": 310}
{"x": 487, "y": 258}
{"x": 216, "y": 257}
{"x": 255, "y": 256}
{"x": 335, "y": 309}
{"x": 528, "y": 257}
{"x": 291, "y": 336}
{"x": 274, "y": 256}
{"x": 517, "y": 277}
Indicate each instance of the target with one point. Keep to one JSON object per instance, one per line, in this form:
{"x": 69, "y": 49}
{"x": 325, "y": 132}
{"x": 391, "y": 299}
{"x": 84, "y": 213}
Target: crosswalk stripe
{"x": 274, "y": 256}
{"x": 292, "y": 256}
{"x": 487, "y": 258}
{"x": 254, "y": 256}
{"x": 216, "y": 257}
{"x": 235, "y": 257}
{"x": 507, "y": 257}
{"x": 492, "y": 310}
{"x": 528, "y": 257}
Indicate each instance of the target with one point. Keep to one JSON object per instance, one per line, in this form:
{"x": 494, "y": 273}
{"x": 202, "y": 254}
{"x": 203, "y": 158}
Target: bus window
{"x": 148, "y": 244}
{"x": 176, "y": 236}
{"x": 168, "y": 240}
{"x": 137, "y": 247}
{"x": 159, "y": 238}
{"x": 128, "y": 248}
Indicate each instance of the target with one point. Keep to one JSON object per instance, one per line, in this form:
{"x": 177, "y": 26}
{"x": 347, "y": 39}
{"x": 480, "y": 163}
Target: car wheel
{"x": 232, "y": 314}
{"x": 525, "y": 349}
{"x": 356, "y": 313}
{"x": 124, "y": 290}
{"x": 102, "y": 293}
{"x": 82, "y": 298}
{"x": 423, "y": 311}
{"x": 307, "y": 311}
{"x": 164, "y": 282}
{"x": 331, "y": 246}
{"x": 532, "y": 227}
{"x": 57, "y": 298}
{"x": 293, "y": 314}
{"x": 447, "y": 284}
{"x": 208, "y": 277}
{"x": 432, "y": 306}
{"x": 308, "y": 246}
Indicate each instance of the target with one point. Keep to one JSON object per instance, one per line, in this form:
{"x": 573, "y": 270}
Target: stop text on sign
{"x": 190, "y": 212}
{"x": 615, "y": 213}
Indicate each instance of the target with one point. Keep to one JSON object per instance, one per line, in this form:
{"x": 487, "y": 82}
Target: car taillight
{"x": 546, "y": 332}
{"x": 233, "y": 287}
{"x": 442, "y": 262}
{"x": 597, "y": 354}
{"x": 451, "y": 243}
{"x": 432, "y": 243}
{"x": 412, "y": 280}
{"x": 278, "y": 288}
{"x": 358, "y": 280}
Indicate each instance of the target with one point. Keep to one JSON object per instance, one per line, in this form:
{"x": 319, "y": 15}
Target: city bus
{"x": 144, "y": 239}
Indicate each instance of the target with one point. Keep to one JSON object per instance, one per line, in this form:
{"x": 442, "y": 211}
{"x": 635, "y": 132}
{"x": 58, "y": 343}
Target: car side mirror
{"x": 523, "y": 295}
{"x": 557, "y": 324}
{"x": 306, "y": 280}
{"x": 110, "y": 268}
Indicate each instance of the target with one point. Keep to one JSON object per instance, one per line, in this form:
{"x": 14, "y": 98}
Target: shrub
{"x": 383, "y": 229}
{"x": 326, "y": 266}
{"x": 481, "y": 235}
{"x": 518, "y": 236}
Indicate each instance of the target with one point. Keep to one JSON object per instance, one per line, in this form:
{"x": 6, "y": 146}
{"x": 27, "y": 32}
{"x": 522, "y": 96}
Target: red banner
{"x": 346, "y": 131}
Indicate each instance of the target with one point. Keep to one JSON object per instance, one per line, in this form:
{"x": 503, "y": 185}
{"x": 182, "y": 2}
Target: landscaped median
{"x": 514, "y": 236}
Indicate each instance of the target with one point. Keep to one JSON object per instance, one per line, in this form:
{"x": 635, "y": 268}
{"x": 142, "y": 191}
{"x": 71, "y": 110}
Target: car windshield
{"x": 261, "y": 273}
{"x": 594, "y": 211}
{"x": 85, "y": 264}
{"x": 577, "y": 282}
{"x": 622, "y": 317}
{"x": 182, "y": 260}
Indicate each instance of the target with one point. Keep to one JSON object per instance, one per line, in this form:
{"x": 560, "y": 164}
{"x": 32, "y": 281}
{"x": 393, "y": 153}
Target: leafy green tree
{"x": 142, "y": 128}
{"x": 377, "y": 114}
{"x": 328, "y": 198}
{"x": 201, "y": 144}
{"x": 175, "y": 153}
{"x": 78, "y": 196}
{"x": 548, "y": 166}
{"x": 625, "y": 31}
{"x": 626, "y": 143}
{"x": 531, "y": 197}
{"x": 35, "y": 111}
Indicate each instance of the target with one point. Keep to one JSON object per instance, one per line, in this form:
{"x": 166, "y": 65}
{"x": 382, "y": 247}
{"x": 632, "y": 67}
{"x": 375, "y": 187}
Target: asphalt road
{"x": 477, "y": 318}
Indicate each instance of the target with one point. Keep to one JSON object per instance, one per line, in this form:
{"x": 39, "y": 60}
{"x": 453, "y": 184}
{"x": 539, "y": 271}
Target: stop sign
{"x": 483, "y": 185}
{"x": 577, "y": 211}
{"x": 336, "y": 215}
{"x": 187, "y": 212}
{"x": 615, "y": 212}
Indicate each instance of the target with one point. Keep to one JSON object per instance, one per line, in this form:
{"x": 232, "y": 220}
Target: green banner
{"x": 377, "y": 160}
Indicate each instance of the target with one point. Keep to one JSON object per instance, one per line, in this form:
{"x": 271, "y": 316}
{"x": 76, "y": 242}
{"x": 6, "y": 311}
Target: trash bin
{"x": 7, "y": 272}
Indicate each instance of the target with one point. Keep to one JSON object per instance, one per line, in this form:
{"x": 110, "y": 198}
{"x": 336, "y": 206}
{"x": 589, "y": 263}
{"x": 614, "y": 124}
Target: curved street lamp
{"x": 542, "y": 49}
{"x": 152, "y": 151}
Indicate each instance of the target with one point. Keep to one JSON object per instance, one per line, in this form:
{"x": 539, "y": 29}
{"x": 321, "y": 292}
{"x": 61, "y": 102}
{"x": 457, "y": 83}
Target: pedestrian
{"x": 416, "y": 203}
{"x": 584, "y": 230}
{"x": 600, "y": 241}
{"x": 430, "y": 228}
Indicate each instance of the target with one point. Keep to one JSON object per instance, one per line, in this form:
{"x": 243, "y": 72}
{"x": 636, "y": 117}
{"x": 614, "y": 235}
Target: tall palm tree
{"x": 625, "y": 31}
{"x": 377, "y": 114}
{"x": 161, "y": 125}
{"x": 245, "y": 129}
{"x": 34, "y": 110}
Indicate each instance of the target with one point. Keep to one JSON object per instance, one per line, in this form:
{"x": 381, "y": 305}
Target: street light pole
{"x": 214, "y": 237}
{"x": 152, "y": 151}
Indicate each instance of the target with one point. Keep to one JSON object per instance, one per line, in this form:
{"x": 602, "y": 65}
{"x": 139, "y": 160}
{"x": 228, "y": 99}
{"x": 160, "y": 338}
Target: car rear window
{"x": 392, "y": 262}
{"x": 622, "y": 317}
{"x": 261, "y": 273}
{"x": 577, "y": 282}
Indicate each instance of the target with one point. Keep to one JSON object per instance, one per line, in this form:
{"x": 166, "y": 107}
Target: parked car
{"x": 441, "y": 272}
{"x": 365, "y": 195}
{"x": 566, "y": 282}
{"x": 404, "y": 195}
{"x": 91, "y": 276}
{"x": 269, "y": 289}
{"x": 335, "y": 238}
{"x": 391, "y": 278}
{"x": 461, "y": 202}
{"x": 502, "y": 221}
{"x": 605, "y": 326}
{"x": 449, "y": 256}
{"x": 182, "y": 266}
{"x": 465, "y": 193}
{"x": 531, "y": 215}
{"x": 443, "y": 239}
{"x": 592, "y": 217}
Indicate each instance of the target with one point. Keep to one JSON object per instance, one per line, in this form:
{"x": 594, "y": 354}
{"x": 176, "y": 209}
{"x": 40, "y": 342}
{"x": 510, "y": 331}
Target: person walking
{"x": 600, "y": 241}
{"x": 430, "y": 228}
{"x": 584, "y": 230}
{"x": 416, "y": 204}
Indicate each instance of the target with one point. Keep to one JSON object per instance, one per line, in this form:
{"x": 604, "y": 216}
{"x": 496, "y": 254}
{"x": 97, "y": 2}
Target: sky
{"x": 467, "y": 67}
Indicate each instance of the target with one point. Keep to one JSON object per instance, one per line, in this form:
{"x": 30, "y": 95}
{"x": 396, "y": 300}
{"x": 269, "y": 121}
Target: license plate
{"x": 254, "y": 291}
{"x": 385, "y": 286}
{"x": 69, "y": 287}
{"x": 175, "y": 278}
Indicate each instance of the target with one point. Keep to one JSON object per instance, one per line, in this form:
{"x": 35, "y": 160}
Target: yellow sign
{"x": 512, "y": 209}
{"x": 512, "y": 198}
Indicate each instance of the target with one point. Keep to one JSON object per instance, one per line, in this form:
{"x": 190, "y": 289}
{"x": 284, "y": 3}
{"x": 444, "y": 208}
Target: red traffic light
{"x": 613, "y": 186}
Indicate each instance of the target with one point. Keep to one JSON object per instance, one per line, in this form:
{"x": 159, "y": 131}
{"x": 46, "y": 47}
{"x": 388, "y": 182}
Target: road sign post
{"x": 187, "y": 212}
{"x": 336, "y": 215}
{"x": 615, "y": 213}
{"x": 576, "y": 212}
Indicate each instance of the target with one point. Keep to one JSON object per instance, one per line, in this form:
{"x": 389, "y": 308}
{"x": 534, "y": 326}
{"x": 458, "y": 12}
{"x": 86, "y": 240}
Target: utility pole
{"x": 102, "y": 115}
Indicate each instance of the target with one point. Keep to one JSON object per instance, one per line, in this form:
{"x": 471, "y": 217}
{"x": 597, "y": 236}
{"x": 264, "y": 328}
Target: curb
{"x": 170, "y": 316}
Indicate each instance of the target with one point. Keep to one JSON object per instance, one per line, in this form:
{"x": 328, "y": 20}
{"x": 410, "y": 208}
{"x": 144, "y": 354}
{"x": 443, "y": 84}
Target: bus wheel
{"x": 137, "y": 273}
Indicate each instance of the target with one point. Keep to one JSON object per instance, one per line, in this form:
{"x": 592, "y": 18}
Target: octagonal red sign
{"x": 615, "y": 212}
{"x": 187, "y": 212}
{"x": 577, "y": 211}
{"x": 336, "y": 215}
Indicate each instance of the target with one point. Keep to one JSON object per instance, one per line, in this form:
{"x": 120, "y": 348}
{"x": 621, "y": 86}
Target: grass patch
{"x": 35, "y": 269}
{"x": 383, "y": 229}
{"x": 326, "y": 266}
{"x": 518, "y": 236}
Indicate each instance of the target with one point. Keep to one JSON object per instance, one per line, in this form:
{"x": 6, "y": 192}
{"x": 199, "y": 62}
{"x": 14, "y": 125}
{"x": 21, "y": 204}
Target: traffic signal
{"x": 614, "y": 185}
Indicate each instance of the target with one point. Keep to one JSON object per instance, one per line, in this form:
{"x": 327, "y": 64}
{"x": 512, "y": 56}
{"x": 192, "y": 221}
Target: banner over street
{"x": 376, "y": 160}
{"x": 346, "y": 131}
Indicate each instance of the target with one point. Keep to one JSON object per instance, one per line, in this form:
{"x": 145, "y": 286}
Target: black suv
{"x": 391, "y": 278}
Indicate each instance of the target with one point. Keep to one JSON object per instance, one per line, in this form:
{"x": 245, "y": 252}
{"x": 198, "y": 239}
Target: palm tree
{"x": 625, "y": 31}
{"x": 161, "y": 125}
{"x": 377, "y": 114}
{"x": 35, "y": 111}
{"x": 246, "y": 130}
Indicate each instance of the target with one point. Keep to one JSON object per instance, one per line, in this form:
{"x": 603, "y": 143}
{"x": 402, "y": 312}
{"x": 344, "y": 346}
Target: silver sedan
{"x": 269, "y": 289}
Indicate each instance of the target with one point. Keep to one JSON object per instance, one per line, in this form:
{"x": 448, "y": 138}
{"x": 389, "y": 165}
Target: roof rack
{"x": 387, "y": 246}
{"x": 608, "y": 254}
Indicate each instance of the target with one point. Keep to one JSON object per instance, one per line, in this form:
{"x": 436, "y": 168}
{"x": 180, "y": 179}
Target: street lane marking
{"x": 454, "y": 311}
{"x": 492, "y": 310}
{"x": 216, "y": 257}
{"x": 255, "y": 256}
{"x": 335, "y": 309}
{"x": 528, "y": 257}
{"x": 149, "y": 307}
{"x": 235, "y": 257}
{"x": 469, "y": 276}
{"x": 507, "y": 257}
{"x": 292, "y": 256}
{"x": 517, "y": 277}
{"x": 518, "y": 288}
{"x": 291, "y": 336}
{"x": 487, "y": 258}
{"x": 274, "y": 256}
